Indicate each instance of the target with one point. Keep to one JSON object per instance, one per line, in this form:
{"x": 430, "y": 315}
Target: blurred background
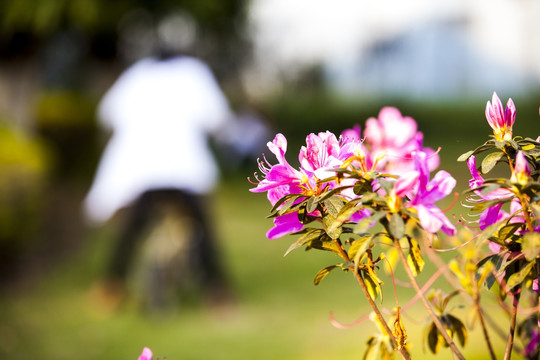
{"x": 299, "y": 66}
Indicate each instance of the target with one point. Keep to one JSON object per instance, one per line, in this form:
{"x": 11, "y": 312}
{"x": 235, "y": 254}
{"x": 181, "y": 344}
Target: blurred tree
{"x": 25, "y": 25}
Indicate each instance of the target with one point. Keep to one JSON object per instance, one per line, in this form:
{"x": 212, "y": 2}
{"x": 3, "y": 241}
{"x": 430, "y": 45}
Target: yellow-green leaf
{"x": 415, "y": 260}
{"x": 490, "y": 161}
{"x": 359, "y": 246}
{"x": 373, "y": 283}
{"x": 518, "y": 277}
{"x": 332, "y": 226}
{"x": 396, "y": 226}
{"x": 531, "y": 245}
{"x": 322, "y": 274}
{"x": 399, "y": 330}
{"x": 310, "y": 235}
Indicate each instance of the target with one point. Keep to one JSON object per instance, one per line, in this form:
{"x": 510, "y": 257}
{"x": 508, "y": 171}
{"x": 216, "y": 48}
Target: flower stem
{"x": 402, "y": 351}
{"x": 513, "y": 320}
{"x": 435, "y": 258}
{"x": 426, "y": 304}
{"x": 484, "y": 328}
{"x": 525, "y": 209}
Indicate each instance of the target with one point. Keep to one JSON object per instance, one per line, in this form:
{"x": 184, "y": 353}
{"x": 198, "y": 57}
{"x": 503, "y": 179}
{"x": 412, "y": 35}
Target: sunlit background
{"x": 299, "y": 66}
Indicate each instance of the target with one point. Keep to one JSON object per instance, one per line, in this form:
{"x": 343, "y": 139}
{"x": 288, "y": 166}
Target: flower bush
{"x": 370, "y": 199}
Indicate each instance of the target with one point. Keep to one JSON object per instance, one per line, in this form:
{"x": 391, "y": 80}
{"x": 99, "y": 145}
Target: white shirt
{"x": 160, "y": 113}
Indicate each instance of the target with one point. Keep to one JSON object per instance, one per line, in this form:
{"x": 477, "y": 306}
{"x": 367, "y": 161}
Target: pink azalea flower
{"x": 424, "y": 193}
{"x": 146, "y": 354}
{"x": 390, "y": 129}
{"x": 279, "y": 179}
{"x": 522, "y": 171}
{"x": 321, "y": 154}
{"x": 390, "y": 141}
{"x": 501, "y": 119}
{"x": 492, "y": 214}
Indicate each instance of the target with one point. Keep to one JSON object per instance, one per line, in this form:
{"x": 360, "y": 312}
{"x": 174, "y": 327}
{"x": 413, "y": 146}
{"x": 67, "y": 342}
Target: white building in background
{"x": 417, "y": 48}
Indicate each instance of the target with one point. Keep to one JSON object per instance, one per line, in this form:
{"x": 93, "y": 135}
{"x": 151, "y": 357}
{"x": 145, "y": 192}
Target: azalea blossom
{"x": 501, "y": 119}
{"x": 279, "y": 179}
{"x": 492, "y": 214}
{"x": 423, "y": 194}
{"x": 390, "y": 140}
{"x": 321, "y": 154}
{"x": 522, "y": 171}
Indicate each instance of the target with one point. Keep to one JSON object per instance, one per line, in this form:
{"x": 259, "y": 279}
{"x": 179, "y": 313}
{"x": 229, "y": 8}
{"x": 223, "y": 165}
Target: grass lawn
{"x": 278, "y": 313}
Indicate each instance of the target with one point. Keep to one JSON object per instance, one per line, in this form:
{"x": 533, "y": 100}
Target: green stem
{"x": 426, "y": 304}
{"x": 403, "y": 352}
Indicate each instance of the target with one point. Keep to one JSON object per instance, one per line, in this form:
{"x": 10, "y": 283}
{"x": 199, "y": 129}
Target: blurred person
{"x": 161, "y": 111}
{"x": 237, "y": 149}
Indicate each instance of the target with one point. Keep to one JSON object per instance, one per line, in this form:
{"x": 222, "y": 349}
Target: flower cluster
{"x": 344, "y": 186}
{"x": 490, "y": 196}
{"x": 392, "y": 148}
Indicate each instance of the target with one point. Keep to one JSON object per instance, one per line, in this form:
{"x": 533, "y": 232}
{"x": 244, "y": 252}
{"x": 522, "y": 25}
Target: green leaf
{"x": 289, "y": 198}
{"x": 513, "y": 144}
{"x": 333, "y": 205}
{"x": 433, "y": 338}
{"x": 490, "y": 161}
{"x": 396, "y": 226}
{"x": 531, "y": 245}
{"x": 536, "y": 211}
{"x": 311, "y": 204}
{"x": 465, "y": 156}
{"x": 322, "y": 274}
{"x": 323, "y": 243}
{"x": 310, "y": 235}
{"x": 362, "y": 186}
{"x": 348, "y": 210}
{"x": 487, "y": 233}
{"x": 519, "y": 276}
{"x": 359, "y": 246}
{"x": 499, "y": 263}
{"x": 332, "y": 227}
{"x": 508, "y": 230}
{"x": 366, "y": 223}
{"x": 459, "y": 329}
{"x": 414, "y": 259}
{"x": 490, "y": 144}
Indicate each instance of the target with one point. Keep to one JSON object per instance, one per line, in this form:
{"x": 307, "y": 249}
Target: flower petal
{"x": 284, "y": 225}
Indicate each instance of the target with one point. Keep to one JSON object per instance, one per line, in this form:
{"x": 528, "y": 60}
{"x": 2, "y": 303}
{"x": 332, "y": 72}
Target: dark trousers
{"x": 204, "y": 258}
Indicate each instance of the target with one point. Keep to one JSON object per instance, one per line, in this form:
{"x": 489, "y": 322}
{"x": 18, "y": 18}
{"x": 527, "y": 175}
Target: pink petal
{"x": 284, "y": 225}
{"x": 406, "y": 183}
{"x": 146, "y": 354}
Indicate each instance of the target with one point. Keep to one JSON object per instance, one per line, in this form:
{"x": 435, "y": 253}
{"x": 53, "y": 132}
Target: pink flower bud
{"x": 501, "y": 119}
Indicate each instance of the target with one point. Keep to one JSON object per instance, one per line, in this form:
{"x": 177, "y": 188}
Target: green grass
{"x": 278, "y": 313}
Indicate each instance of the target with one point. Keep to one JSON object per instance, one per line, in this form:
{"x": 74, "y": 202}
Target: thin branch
{"x": 436, "y": 259}
{"x": 484, "y": 328}
{"x": 426, "y": 304}
{"x": 513, "y": 321}
{"x": 402, "y": 351}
